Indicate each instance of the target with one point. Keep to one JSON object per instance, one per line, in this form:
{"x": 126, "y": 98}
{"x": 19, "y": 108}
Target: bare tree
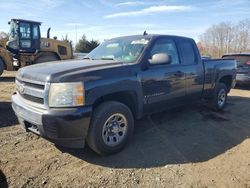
{"x": 226, "y": 37}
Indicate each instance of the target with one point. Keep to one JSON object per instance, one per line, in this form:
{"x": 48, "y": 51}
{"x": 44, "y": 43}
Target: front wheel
{"x": 111, "y": 128}
{"x": 219, "y": 99}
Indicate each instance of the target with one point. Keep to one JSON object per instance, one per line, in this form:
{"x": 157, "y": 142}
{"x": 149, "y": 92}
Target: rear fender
{"x": 223, "y": 75}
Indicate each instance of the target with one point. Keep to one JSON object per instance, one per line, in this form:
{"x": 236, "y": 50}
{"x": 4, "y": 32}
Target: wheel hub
{"x": 114, "y": 129}
{"x": 221, "y": 97}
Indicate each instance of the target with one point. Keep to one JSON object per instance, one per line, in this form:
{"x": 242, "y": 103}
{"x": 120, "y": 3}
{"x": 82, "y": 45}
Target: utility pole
{"x": 76, "y": 34}
{"x": 227, "y": 47}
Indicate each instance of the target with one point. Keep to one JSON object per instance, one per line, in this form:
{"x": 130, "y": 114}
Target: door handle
{"x": 179, "y": 73}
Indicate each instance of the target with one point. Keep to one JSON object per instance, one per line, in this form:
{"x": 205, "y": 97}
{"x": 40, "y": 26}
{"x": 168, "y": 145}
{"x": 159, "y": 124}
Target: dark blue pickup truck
{"x": 97, "y": 99}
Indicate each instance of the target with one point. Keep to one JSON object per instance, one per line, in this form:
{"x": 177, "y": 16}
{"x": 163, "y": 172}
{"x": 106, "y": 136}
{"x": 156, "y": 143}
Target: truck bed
{"x": 213, "y": 68}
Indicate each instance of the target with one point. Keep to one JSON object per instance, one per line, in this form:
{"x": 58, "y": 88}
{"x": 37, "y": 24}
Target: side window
{"x": 188, "y": 53}
{"x": 35, "y": 32}
{"x": 166, "y": 46}
{"x": 25, "y": 30}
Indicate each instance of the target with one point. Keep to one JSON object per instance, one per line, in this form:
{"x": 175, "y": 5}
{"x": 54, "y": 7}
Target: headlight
{"x": 66, "y": 94}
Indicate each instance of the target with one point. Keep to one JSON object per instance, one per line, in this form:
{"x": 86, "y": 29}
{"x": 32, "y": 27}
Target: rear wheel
{"x": 219, "y": 100}
{"x": 1, "y": 67}
{"x": 111, "y": 127}
{"x": 46, "y": 58}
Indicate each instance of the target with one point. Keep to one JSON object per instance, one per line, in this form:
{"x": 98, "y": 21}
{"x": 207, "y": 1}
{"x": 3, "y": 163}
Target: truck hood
{"x": 47, "y": 72}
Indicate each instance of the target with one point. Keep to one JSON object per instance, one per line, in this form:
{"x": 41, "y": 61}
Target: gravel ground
{"x": 185, "y": 147}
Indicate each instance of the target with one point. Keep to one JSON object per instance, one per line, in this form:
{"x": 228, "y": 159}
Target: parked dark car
{"x": 97, "y": 99}
{"x": 243, "y": 67}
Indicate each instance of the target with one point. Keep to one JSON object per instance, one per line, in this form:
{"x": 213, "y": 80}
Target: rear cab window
{"x": 35, "y": 32}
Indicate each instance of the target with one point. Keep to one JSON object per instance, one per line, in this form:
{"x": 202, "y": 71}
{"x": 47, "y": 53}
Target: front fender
{"x": 98, "y": 89}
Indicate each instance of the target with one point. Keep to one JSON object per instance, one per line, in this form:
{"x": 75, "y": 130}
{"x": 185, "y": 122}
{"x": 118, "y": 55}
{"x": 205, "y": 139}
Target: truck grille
{"x": 30, "y": 91}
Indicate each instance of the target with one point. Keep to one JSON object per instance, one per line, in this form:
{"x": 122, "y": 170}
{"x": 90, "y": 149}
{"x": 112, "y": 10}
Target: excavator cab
{"x": 24, "y": 36}
{"x": 26, "y": 46}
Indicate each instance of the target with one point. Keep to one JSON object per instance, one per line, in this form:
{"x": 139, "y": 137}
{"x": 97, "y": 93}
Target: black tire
{"x": 1, "y": 67}
{"x": 96, "y": 135}
{"x": 219, "y": 100}
{"x": 46, "y": 58}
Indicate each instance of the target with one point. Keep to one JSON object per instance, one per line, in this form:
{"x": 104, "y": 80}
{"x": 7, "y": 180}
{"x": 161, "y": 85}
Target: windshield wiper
{"x": 107, "y": 58}
{"x": 87, "y": 58}
{"x": 103, "y": 58}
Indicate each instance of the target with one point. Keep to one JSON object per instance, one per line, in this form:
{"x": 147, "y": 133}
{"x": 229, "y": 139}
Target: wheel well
{"x": 227, "y": 80}
{"x": 126, "y": 97}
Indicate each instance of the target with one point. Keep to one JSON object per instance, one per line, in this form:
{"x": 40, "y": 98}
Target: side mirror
{"x": 160, "y": 58}
{"x": 9, "y": 23}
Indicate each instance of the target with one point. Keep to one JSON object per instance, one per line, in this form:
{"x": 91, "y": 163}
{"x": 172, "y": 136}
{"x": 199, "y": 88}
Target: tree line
{"x": 83, "y": 45}
{"x": 225, "y": 37}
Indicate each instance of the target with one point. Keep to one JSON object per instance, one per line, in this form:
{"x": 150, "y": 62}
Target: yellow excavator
{"x": 5, "y": 57}
{"x": 24, "y": 46}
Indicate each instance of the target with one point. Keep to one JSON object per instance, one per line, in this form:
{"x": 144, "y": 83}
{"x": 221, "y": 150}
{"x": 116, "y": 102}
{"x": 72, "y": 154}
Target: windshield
{"x": 122, "y": 49}
{"x": 240, "y": 59}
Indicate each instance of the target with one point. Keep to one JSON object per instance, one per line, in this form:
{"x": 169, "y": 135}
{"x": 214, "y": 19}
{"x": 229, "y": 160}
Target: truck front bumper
{"x": 66, "y": 127}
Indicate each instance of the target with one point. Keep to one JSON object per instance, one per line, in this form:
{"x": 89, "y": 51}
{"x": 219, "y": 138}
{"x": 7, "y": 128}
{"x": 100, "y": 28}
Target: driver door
{"x": 163, "y": 84}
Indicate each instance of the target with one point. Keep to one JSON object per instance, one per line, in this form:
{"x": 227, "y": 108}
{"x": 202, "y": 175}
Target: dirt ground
{"x": 186, "y": 147}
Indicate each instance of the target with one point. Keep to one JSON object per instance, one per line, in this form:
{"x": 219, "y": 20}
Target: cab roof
{"x": 30, "y": 21}
{"x": 151, "y": 36}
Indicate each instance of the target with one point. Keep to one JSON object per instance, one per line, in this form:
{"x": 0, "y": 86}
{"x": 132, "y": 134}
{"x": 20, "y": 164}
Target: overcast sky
{"x": 104, "y": 19}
